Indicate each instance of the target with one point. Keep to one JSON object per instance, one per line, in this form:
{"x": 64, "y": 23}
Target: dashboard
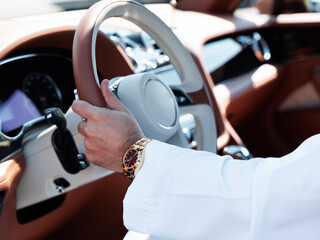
{"x": 43, "y": 77}
{"x": 285, "y": 82}
{"x": 234, "y": 55}
{"x": 32, "y": 82}
{"x": 37, "y": 79}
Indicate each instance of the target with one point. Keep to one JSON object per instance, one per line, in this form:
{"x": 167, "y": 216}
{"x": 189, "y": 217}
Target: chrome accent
{"x": 145, "y": 56}
{"x": 173, "y": 4}
{"x": 189, "y": 129}
{"x": 13, "y": 59}
{"x": 10, "y": 145}
{"x": 114, "y": 84}
{"x": 8, "y": 157}
{"x": 75, "y": 93}
{"x": 258, "y": 45}
{"x": 25, "y": 128}
{"x": 60, "y": 189}
{"x": 76, "y": 97}
{"x": 82, "y": 159}
{"x": 32, "y": 55}
{"x": 237, "y": 152}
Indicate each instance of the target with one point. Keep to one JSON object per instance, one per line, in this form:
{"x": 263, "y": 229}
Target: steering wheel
{"x": 150, "y": 100}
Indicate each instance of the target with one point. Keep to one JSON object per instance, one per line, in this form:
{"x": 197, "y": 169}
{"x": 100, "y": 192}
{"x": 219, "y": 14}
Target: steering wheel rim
{"x": 84, "y": 62}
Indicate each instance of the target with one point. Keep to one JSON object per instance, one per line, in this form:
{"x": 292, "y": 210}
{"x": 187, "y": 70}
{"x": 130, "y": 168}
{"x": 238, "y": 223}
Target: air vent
{"x": 141, "y": 49}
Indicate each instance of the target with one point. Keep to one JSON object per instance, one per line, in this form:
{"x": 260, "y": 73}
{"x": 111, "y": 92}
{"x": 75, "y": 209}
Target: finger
{"x": 81, "y": 128}
{"x": 83, "y": 108}
{"x": 111, "y": 100}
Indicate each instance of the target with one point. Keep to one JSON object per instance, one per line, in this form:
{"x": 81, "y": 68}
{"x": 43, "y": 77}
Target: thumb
{"x": 111, "y": 100}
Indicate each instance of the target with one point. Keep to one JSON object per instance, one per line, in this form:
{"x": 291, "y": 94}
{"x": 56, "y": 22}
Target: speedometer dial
{"x": 42, "y": 90}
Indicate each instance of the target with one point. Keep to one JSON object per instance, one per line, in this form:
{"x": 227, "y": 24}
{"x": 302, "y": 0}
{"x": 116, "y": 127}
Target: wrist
{"x": 133, "y": 158}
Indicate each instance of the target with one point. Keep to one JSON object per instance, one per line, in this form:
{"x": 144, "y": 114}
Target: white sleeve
{"x": 186, "y": 194}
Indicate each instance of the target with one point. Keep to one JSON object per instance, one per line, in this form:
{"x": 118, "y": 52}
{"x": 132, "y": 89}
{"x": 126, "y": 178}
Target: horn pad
{"x": 152, "y": 103}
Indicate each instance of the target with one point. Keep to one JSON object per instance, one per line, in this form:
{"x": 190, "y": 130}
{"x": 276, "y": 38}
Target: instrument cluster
{"x": 32, "y": 82}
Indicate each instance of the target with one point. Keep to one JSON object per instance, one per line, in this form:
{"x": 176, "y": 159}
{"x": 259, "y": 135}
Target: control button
{"x": 237, "y": 152}
{"x": 84, "y": 163}
{"x": 189, "y": 129}
{"x": 61, "y": 184}
{"x": 182, "y": 98}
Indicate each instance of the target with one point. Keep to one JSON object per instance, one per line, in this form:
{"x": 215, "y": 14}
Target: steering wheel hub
{"x": 160, "y": 103}
{"x": 152, "y": 101}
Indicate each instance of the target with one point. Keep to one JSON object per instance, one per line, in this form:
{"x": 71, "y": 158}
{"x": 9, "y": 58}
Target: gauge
{"x": 42, "y": 90}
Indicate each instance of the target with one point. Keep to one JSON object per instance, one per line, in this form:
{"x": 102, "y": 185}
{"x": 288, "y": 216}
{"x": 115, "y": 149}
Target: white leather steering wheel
{"x": 150, "y": 100}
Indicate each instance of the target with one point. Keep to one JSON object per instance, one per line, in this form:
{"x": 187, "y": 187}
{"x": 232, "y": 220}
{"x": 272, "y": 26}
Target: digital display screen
{"x": 17, "y": 110}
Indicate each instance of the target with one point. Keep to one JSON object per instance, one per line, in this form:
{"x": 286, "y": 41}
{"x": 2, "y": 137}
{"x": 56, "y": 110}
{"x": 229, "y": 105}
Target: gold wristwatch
{"x": 133, "y": 158}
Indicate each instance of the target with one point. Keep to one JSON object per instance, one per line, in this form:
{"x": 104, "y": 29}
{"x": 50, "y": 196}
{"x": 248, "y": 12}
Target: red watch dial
{"x": 131, "y": 158}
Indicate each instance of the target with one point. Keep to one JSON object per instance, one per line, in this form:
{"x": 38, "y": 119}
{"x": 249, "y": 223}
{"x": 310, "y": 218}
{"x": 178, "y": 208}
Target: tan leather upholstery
{"x": 209, "y": 6}
{"x": 10, "y": 175}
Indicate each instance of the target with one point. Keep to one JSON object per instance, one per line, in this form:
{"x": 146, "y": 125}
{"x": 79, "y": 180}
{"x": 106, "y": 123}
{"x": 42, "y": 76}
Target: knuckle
{"x": 89, "y": 156}
{"x": 92, "y": 158}
{"x": 81, "y": 128}
{"x": 89, "y": 131}
{"x": 87, "y": 144}
{"x": 86, "y": 131}
{"x": 97, "y": 115}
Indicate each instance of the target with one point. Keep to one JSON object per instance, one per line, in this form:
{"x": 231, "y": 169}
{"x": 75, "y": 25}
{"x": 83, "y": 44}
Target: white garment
{"x": 187, "y": 194}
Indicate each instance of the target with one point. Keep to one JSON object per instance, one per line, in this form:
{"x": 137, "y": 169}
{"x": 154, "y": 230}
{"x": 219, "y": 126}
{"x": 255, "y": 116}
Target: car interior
{"x": 232, "y": 77}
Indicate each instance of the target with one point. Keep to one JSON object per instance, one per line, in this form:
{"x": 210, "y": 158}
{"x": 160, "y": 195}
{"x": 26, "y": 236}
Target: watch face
{"x": 131, "y": 158}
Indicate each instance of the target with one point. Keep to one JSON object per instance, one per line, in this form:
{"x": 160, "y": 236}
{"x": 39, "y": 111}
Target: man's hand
{"x": 108, "y": 132}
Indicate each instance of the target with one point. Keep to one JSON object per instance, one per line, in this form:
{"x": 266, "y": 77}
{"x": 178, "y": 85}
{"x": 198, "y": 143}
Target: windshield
{"x": 20, "y": 8}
